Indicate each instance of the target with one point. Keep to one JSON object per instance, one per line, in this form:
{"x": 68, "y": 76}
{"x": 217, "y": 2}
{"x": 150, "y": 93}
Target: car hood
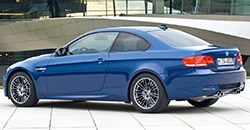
{"x": 30, "y": 63}
{"x": 40, "y": 57}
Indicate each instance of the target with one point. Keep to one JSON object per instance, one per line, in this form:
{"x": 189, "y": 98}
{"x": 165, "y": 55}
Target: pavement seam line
{"x": 92, "y": 117}
{"x": 221, "y": 117}
{"x": 181, "y": 120}
{"x": 236, "y": 107}
{"x": 9, "y": 118}
{"x": 51, "y": 113}
{"x": 133, "y": 116}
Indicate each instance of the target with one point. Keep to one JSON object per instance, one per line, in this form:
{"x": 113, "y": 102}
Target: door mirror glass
{"x": 61, "y": 51}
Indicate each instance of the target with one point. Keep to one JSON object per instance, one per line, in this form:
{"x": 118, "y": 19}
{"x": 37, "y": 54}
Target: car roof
{"x": 128, "y": 29}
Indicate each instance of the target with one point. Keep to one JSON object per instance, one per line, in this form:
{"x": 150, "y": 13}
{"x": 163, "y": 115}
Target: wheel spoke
{"x": 139, "y": 90}
{"x": 143, "y": 103}
{"x": 15, "y": 95}
{"x": 149, "y": 103}
{"x": 155, "y": 95}
{"x": 139, "y": 98}
{"x": 18, "y": 80}
{"x": 14, "y": 84}
{"x": 140, "y": 86}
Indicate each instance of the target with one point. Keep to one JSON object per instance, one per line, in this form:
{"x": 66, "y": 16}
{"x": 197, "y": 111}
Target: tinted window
{"x": 129, "y": 42}
{"x": 94, "y": 43}
{"x": 178, "y": 38}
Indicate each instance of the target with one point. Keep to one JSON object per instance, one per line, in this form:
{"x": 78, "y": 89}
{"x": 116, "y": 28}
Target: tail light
{"x": 197, "y": 61}
{"x": 239, "y": 59}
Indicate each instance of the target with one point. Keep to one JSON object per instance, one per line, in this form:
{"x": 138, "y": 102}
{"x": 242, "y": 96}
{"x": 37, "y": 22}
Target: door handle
{"x": 100, "y": 60}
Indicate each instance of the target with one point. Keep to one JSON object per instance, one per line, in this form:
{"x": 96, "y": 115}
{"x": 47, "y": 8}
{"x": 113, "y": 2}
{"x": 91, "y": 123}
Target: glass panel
{"x": 128, "y": 42}
{"x": 30, "y": 9}
{"x": 8, "y": 58}
{"x": 94, "y": 43}
{"x": 178, "y": 38}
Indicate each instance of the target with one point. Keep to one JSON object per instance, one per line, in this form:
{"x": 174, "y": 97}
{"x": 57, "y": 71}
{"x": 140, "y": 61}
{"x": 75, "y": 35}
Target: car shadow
{"x": 126, "y": 107}
{"x": 86, "y": 105}
{"x": 195, "y": 110}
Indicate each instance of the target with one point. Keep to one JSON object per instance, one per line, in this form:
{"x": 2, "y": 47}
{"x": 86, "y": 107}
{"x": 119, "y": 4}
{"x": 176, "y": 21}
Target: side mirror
{"x": 61, "y": 51}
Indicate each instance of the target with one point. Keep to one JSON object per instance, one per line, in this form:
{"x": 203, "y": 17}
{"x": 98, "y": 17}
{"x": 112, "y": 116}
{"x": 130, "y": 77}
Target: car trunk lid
{"x": 225, "y": 58}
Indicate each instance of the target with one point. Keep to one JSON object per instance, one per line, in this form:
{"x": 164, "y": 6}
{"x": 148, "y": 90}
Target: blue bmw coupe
{"x": 145, "y": 66}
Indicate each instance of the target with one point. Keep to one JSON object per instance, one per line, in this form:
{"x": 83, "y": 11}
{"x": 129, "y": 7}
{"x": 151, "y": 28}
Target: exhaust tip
{"x": 220, "y": 94}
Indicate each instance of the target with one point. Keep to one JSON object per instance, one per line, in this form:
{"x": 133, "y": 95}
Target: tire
{"x": 21, "y": 90}
{"x": 148, "y": 94}
{"x": 203, "y": 103}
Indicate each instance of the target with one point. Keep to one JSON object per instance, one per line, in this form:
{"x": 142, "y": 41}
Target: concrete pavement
{"x": 229, "y": 113}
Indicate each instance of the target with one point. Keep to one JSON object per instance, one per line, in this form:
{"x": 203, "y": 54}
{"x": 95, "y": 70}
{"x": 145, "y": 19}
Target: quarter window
{"x": 93, "y": 43}
{"x": 129, "y": 42}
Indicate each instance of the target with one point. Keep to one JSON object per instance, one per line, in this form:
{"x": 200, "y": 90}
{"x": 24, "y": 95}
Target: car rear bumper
{"x": 205, "y": 83}
{"x": 221, "y": 93}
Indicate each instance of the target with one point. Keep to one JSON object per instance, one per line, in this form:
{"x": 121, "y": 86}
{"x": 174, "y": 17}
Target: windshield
{"x": 178, "y": 38}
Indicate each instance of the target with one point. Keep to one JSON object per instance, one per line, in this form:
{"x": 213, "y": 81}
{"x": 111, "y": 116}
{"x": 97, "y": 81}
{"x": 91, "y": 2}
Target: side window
{"x": 93, "y": 43}
{"x": 129, "y": 42}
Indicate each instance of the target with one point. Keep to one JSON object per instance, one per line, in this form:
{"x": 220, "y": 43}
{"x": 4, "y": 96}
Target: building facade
{"x": 30, "y": 9}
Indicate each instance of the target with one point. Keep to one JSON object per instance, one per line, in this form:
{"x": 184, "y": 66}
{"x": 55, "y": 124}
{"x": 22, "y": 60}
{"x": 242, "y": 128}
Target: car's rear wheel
{"x": 203, "y": 103}
{"x": 21, "y": 90}
{"x": 148, "y": 94}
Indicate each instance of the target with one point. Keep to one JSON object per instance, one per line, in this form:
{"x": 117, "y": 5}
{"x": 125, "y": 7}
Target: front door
{"x": 84, "y": 67}
{"x": 76, "y": 74}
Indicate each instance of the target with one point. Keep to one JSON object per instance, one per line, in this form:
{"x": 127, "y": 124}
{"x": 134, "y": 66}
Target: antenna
{"x": 163, "y": 27}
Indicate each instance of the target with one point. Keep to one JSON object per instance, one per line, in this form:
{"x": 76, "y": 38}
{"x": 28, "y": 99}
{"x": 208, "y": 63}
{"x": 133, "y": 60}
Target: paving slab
{"x": 230, "y": 113}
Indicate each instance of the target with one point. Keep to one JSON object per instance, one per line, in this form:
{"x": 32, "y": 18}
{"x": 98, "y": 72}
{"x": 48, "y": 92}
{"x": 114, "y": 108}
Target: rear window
{"x": 178, "y": 38}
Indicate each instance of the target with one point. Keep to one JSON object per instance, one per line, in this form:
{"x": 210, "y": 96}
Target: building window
{"x": 8, "y": 58}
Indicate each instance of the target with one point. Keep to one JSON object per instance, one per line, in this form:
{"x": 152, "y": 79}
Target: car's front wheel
{"x": 21, "y": 90}
{"x": 203, "y": 103}
{"x": 148, "y": 94}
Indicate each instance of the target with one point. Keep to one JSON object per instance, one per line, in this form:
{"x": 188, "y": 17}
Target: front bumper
{"x": 5, "y": 85}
